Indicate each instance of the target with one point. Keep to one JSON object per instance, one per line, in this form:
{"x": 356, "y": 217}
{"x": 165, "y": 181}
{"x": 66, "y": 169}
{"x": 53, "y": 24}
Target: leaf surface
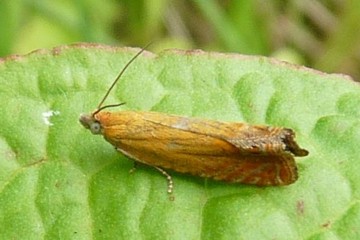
{"x": 57, "y": 180}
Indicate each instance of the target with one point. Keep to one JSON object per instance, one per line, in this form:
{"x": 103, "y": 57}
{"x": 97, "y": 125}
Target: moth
{"x": 227, "y": 151}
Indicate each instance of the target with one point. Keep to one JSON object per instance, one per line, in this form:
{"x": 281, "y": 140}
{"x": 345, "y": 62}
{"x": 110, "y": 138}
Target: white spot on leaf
{"x": 47, "y": 115}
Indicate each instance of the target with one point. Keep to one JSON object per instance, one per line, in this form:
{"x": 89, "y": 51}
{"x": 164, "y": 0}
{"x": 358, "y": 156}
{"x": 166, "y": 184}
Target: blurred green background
{"x": 324, "y": 35}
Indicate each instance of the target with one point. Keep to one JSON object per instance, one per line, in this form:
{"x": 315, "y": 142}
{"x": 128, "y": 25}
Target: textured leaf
{"x": 57, "y": 180}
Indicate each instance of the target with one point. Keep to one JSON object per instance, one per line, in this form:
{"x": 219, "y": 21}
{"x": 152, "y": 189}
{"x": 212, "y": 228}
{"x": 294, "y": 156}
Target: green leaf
{"x": 58, "y": 181}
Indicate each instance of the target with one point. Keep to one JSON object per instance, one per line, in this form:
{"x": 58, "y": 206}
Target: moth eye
{"x": 95, "y": 128}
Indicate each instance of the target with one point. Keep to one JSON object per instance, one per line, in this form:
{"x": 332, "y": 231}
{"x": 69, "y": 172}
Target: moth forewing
{"x": 233, "y": 152}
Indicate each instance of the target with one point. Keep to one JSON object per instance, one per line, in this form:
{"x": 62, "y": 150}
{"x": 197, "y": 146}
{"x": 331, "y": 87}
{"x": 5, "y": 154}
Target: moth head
{"x": 89, "y": 122}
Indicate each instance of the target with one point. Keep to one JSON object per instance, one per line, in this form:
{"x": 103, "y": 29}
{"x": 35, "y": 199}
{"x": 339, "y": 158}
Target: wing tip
{"x": 292, "y": 146}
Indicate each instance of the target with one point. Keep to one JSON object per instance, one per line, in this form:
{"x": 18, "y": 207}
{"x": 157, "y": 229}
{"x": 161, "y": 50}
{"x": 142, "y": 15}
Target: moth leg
{"x": 168, "y": 178}
{"x": 133, "y": 169}
{"x": 163, "y": 172}
{"x": 135, "y": 165}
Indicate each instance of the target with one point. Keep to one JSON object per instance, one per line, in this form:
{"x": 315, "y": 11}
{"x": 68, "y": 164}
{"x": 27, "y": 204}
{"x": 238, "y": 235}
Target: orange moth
{"x": 228, "y": 151}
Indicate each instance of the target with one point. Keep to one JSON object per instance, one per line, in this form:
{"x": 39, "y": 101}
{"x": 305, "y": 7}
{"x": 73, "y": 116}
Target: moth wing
{"x": 165, "y": 141}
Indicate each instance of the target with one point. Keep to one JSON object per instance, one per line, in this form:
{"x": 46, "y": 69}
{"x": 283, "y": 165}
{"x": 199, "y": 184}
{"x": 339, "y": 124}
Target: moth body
{"x": 227, "y": 151}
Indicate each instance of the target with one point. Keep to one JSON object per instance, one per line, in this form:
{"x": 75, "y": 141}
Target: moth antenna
{"x": 106, "y": 106}
{"x": 118, "y": 77}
